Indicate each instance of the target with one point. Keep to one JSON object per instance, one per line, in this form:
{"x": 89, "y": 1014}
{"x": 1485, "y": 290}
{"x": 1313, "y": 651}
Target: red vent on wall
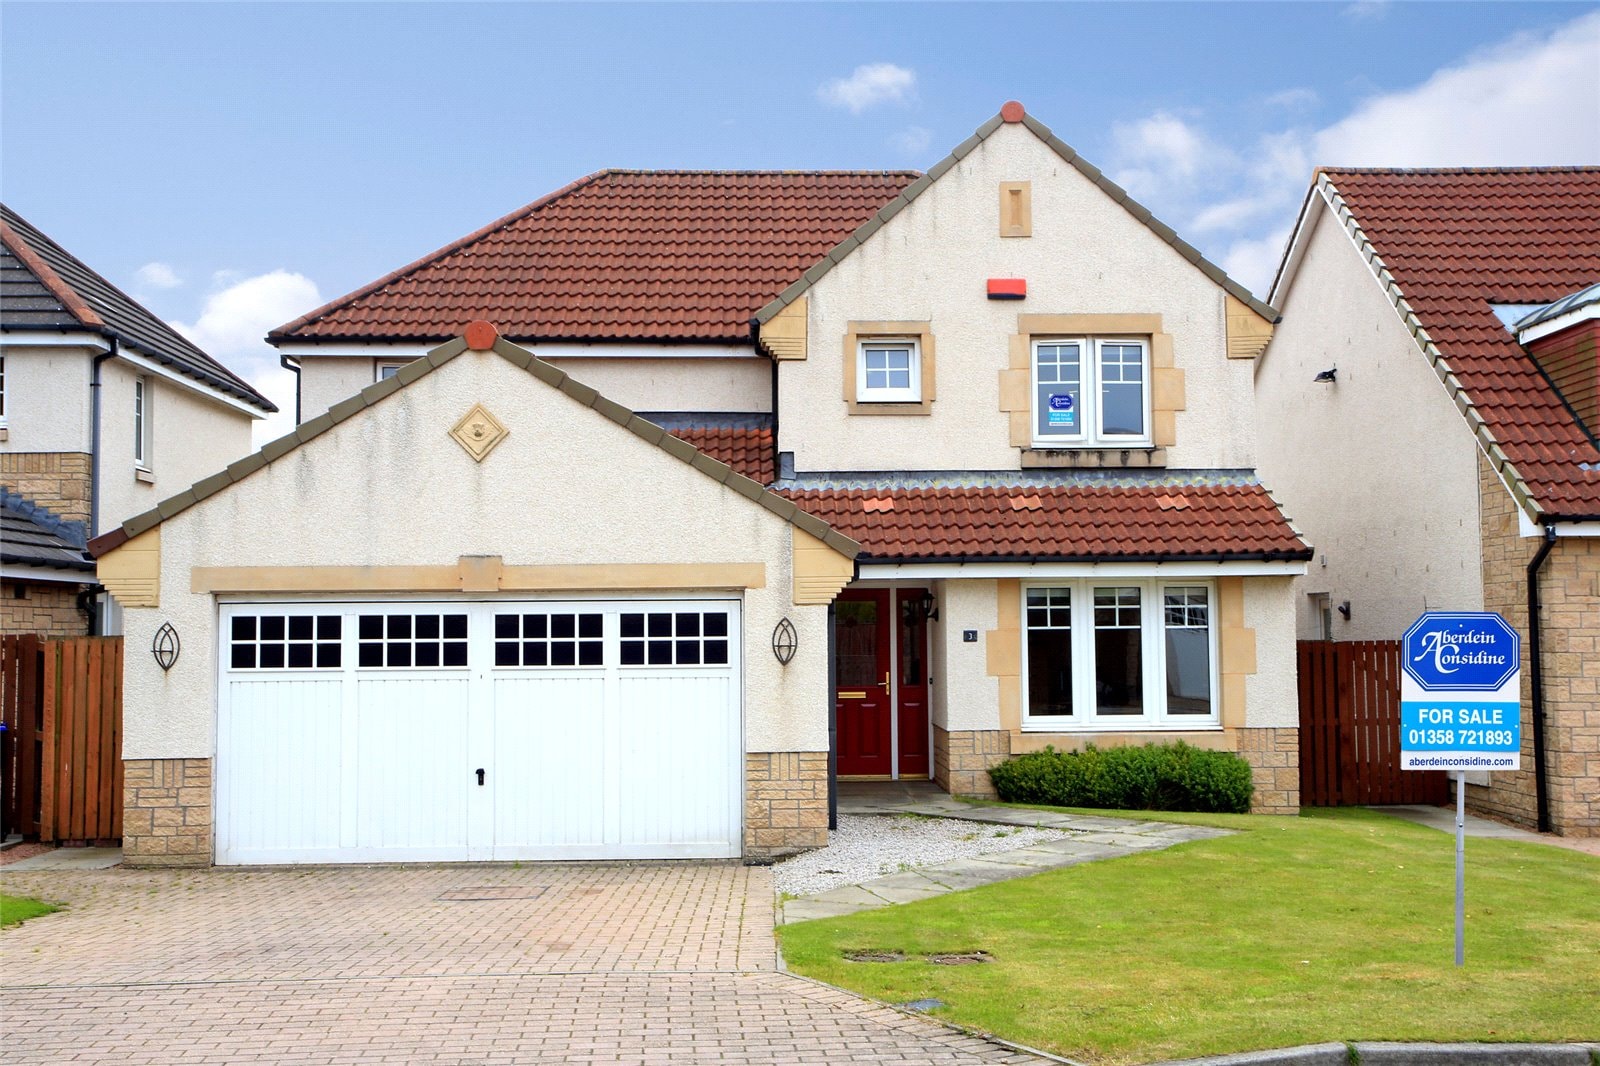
{"x": 1007, "y": 288}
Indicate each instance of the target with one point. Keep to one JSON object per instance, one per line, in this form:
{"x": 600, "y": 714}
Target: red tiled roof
{"x": 620, "y": 255}
{"x": 1058, "y": 522}
{"x": 1457, "y": 241}
{"x": 748, "y": 451}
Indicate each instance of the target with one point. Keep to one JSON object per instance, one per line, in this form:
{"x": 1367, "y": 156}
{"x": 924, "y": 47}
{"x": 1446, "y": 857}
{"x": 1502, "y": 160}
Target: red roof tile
{"x": 749, "y": 451}
{"x": 1457, "y": 241}
{"x": 1059, "y": 522}
{"x": 620, "y": 255}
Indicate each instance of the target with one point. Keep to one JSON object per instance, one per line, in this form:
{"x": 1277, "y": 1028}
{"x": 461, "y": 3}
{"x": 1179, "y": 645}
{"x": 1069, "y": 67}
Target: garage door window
{"x": 284, "y": 642}
{"x": 414, "y": 640}
{"x": 549, "y": 640}
{"x": 675, "y": 638}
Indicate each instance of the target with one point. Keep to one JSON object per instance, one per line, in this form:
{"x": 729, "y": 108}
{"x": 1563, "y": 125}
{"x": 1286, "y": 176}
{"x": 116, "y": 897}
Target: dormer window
{"x": 888, "y": 371}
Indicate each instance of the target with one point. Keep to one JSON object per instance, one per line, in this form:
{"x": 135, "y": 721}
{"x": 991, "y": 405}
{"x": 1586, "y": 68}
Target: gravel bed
{"x": 868, "y": 846}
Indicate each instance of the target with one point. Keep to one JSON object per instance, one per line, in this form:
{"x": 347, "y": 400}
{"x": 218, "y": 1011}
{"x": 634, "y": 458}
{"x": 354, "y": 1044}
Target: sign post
{"x": 1460, "y": 710}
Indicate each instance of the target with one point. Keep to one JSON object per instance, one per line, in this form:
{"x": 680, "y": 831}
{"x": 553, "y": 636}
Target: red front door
{"x": 871, "y": 681}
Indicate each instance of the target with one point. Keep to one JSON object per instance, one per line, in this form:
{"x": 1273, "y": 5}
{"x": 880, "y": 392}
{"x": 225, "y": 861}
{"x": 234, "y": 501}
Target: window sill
{"x": 1094, "y": 458}
{"x": 1210, "y": 737}
{"x": 1057, "y": 729}
{"x": 874, "y": 407}
{"x": 146, "y": 477}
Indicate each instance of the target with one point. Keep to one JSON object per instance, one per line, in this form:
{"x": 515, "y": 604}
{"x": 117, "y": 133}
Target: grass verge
{"x": 1337, "y": 925}
{"x": 17, "y": 909}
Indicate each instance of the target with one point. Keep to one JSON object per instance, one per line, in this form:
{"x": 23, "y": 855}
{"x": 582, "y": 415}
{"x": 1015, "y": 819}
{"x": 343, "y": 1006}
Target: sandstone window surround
{"x": 873, "y": 351}
{"x": 1096, "y": 336}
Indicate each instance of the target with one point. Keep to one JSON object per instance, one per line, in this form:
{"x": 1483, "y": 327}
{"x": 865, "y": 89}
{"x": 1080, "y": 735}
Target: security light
{"x": 1328, "y": 376}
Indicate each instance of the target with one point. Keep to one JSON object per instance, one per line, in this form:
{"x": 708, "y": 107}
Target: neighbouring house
{"x": 104, "y": 410}
{"x": 1427, "y": 412}
{"x": 628, "y": 524}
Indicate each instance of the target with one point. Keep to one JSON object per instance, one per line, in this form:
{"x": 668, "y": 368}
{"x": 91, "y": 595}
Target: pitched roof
{"x": 32, "y": 536}
{"x": 658, "y": 255}
{"x": 45, "y": 287}
{"x": 1012, "y": 113}
{"x": 1454, "y": 243}
{"x": 1064, "y": 522}
{"x": 749, "y": 451}
{"x": 417, "y": 368}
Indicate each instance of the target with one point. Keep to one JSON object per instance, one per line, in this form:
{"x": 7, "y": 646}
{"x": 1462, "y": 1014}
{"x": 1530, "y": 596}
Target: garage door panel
{"x": 548, "y": 738}
{"x": 679, "y": 745}
{"x": 279, "y": 790}
{"x": 412, "y": 770}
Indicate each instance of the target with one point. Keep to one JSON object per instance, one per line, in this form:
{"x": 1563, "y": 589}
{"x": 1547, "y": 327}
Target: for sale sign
{"x": 1460, "y": 694}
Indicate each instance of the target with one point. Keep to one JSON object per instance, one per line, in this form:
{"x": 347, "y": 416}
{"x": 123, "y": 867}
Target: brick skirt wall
{"x": 51, "y": 610}
{"x": 166, "y": 816}
{"x": 1274, "y": 758}
{"x": 56, "y": 481}
{"x": 962, "y": 757}
{"x": 785, "y": 803}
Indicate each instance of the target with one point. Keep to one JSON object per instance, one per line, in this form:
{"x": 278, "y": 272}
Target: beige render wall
{"x": 968, "y": 697}
{"x": 47, "y": 399}
{"x": 389, "y": 487}
{"x": 193, "y": 437}
{"x": 1377, "y": 470}
{"x": 740, "y": 382}
{"x": 1087, "y": 255}
{"x": 1569, "y": 591}
{"x": 1272, "y": 693}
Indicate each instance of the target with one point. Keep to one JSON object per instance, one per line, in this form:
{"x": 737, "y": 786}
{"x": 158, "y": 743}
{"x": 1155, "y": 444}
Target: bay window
{"x": 1119, "y": 654}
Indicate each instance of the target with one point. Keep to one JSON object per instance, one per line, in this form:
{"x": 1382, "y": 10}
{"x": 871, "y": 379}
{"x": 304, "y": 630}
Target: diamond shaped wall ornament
{"x": 479, "y": 432}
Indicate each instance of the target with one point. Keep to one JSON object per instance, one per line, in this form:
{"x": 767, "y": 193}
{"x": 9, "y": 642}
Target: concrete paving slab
{"x": 905, "y": 887}
{"x": 69, "y": 859}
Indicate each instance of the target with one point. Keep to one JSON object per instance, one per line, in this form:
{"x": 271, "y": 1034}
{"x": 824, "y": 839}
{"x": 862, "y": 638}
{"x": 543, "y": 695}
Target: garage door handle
{"x": 480, "y": 775}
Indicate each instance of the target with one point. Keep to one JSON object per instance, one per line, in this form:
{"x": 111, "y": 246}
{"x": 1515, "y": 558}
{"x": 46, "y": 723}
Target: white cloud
{"x": 912, "y": 140}
{"x": 157, "y": 276}
{"x": 232, "y": 328}
{"x": 1531, "y": 100}
{"x": 1162, "y": 153}
{"x": 1295, "y": 99}
{"x": 869, "y": 85}
{"x": 1252, "y": 261}
{"x": 1367, "y": 10}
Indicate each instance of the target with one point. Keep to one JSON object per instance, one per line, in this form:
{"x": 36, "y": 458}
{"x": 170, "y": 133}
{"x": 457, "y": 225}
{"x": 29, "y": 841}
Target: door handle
{"x": 480, "y": 776}
{"x": 884, "y": 684}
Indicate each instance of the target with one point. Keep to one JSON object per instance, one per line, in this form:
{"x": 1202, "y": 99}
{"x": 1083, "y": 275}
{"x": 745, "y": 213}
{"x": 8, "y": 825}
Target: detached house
{"x": 1428, "y": 411}
{"x": 104, "y": 411}
{"x": 626, "y": 525}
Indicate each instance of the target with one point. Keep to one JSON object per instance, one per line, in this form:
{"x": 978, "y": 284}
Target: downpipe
{"x": 1536, "y": 683}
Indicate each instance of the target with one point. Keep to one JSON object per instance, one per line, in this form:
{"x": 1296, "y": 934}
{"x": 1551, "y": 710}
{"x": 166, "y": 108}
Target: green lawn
{"x": 15, "y": 909}
{"x": 1337, "y": 925}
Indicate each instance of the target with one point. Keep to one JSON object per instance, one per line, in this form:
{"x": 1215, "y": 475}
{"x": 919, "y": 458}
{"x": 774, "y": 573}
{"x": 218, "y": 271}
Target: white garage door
{"x": 450, "y": 730}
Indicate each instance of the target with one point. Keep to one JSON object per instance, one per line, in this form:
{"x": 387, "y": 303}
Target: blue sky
{"x": 236, "y": 164}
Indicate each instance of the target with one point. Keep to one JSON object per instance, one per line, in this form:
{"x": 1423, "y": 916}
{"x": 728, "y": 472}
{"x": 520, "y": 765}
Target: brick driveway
{"x": 666, "y": 962}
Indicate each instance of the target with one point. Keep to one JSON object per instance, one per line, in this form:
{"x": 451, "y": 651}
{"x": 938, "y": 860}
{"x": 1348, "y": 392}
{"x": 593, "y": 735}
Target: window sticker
{"x": 1061, "y": 411}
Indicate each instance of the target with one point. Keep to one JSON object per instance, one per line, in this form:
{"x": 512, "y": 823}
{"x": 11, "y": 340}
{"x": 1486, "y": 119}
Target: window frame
{"x": 143, "y": 437}
{"x": 2, "y": 390}
{"x": 866, "y": 393}
{"x": 1091, "y": 421}
{"x": 1157, "y": 716}
{"x": 387, "y": 368}
{"x": 919, "y": 337}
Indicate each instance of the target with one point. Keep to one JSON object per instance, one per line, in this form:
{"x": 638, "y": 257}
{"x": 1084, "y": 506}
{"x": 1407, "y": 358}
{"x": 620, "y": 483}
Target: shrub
{"x": 1155, "y": 777}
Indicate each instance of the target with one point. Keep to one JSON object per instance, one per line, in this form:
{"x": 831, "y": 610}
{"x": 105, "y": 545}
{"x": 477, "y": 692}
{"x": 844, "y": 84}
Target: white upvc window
{"x": 387, "y": 368}
{"x": 2, "y": 391}
{"x": 142, "y": 428}
{"x": 888, "y": 370}
{"x": 1119, "y": 654}
{"x": 1091, "y": 392}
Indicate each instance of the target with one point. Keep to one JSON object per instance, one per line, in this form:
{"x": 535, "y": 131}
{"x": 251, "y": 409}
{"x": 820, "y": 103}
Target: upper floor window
{"x": 2, "y": 390}
{"x": 1091, "y": 391}
{"x": 888, "y": 371}
{"x": 141, "y": 423}
{"x": 388, "y": 369}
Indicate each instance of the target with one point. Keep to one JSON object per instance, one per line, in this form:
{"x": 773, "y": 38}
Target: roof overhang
{"x": 1024, "y": 568}
{"x": 55, "y": 575}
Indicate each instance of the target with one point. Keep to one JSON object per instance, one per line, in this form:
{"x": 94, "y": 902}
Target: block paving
{"x": 576, "y": 963}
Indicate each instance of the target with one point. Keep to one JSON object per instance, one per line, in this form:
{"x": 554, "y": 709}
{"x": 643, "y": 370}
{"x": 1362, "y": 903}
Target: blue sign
{"x": 1061, "y": 401}
{"x": 1460, "y": 693}
{"x": 1461, "y": 651}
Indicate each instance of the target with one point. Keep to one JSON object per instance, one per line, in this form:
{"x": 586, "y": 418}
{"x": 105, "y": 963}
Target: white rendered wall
{"x": 389, "y": 487}
{"x": 930, "y": 263}
{"x": 740, "y": 381}
{"x": 969, "y": 697}
{"x": 47, "y": 399}
{"x": 1272, "y": 693}
{"x": 192, "y": 438}
{"x": 1378, "y": 470}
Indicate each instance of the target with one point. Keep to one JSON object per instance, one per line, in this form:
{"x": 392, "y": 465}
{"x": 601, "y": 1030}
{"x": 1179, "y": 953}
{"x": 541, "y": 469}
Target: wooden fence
{"x": 61, "y": 701}
{"x": 1350, "y": 728}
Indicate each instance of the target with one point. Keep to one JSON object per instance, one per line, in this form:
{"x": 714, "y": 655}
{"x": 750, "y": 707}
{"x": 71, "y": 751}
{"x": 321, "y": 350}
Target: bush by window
{"x": 1155, "y": 777}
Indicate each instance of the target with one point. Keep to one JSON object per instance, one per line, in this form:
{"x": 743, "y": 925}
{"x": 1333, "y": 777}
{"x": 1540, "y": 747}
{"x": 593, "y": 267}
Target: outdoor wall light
{"x": 166, "y": 646}
{"x": 1328, "y": 376}
{"x": 784, "y": 641}
{"x": 919, "y": 610}
{"x": 1344, "y": 609}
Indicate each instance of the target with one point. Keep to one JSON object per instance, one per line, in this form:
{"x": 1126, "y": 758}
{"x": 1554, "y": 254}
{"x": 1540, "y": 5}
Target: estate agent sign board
{"x": 1460, "y": 693}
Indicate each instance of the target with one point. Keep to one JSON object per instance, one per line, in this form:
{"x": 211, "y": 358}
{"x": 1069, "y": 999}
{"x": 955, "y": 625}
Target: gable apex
{"x": 1011, "y": 114}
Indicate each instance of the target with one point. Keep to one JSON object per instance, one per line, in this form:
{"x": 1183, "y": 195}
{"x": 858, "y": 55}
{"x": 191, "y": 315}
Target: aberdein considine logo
{"x": 1461, "y": 651}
